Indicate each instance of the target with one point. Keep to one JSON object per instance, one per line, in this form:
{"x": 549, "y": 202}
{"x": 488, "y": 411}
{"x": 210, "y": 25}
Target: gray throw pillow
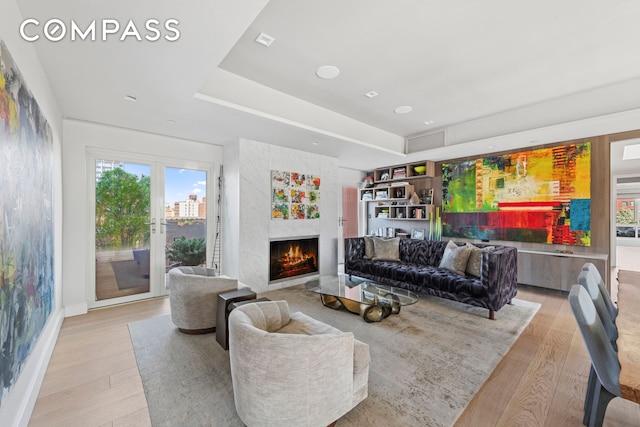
{"x": 474, "y": 264}
{"x": 386, "y": 249}
{"x": 368, "y": 247}
{"x": 455, "y": 257}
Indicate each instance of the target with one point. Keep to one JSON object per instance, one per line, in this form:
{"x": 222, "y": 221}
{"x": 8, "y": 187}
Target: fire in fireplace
{"x": 294, "y": 257}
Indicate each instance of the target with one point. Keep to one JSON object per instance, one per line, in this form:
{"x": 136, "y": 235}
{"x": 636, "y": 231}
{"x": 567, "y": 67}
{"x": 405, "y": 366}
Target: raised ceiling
{"x": 461, "y": 65}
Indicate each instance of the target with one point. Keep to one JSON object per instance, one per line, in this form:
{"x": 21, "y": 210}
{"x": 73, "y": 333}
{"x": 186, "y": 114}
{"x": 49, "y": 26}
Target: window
{"x": 627, "y": 218}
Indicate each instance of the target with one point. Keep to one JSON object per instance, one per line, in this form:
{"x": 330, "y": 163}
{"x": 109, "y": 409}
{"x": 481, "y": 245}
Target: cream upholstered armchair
{"x": 193, "y": 294}
{"x": 293, "y": 370}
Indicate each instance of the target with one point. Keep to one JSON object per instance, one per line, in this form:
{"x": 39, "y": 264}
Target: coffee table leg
{"x": 372, "y": 312}
{"x": 330, "y": 301}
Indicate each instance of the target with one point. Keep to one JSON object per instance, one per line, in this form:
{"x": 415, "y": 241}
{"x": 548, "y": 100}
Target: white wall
{"x": 78, "y": 137}
{"x": 17, "y": 407}
{"x": 248, "y": 166}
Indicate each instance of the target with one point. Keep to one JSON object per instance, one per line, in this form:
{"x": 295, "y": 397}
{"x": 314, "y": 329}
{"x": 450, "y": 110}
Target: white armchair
{"x": 193, "y": 293}
{"x": 293, "y": 370}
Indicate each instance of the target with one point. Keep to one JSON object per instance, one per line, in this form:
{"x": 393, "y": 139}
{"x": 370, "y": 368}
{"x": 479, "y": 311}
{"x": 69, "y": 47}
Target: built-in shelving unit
{"x": 404, "y": 212}
{"x": 393, "y": 188}
{"x": 404, "y": 172}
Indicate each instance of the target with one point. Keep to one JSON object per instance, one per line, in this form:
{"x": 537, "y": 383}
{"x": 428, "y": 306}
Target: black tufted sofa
{"x": 418, "y": 271}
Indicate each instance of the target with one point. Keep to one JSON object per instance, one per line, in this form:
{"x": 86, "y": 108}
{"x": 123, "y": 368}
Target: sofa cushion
{"x": 474, "y": 263}
{"x": 368, "y": 247}
{"x": 447, "y": 281}
{"x": 420, "y": 277}
{"x": 455, "y": 257}
{"x": 422, "y": 252}
{"x": 386, "y": 249}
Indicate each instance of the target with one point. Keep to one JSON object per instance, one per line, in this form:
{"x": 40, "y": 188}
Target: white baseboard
{"x": 76, "y": 309}
{"x": 17, "y": 408}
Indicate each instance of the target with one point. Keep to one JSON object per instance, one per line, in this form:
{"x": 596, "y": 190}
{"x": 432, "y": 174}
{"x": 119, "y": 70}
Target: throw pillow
{"x": 368, "y": 247}
{"x": 474, "y": 263}
{"x": 455, "y": 257}
{"x": 386, "y": 249}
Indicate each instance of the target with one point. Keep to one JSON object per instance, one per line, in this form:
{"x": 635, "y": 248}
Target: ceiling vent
{"x": 265, "y": 39}
{"x": 423, "y": 142}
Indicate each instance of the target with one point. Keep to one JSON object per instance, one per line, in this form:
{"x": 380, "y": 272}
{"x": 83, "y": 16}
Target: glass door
{"x": 123, "y": 225}
{"x": 184, "y": 224}
{"x": 149, "y": 216}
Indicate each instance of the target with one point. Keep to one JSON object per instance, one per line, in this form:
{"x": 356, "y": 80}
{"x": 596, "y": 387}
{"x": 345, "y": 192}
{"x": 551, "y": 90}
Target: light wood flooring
{"x": 93, "y": 379}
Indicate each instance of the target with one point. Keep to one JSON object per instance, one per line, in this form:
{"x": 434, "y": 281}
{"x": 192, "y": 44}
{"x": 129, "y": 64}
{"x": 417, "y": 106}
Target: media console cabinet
{"x": 557, "y": 270}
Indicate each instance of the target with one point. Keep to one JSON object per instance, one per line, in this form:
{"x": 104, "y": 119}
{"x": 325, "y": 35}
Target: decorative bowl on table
{"x": 420, "y": 169}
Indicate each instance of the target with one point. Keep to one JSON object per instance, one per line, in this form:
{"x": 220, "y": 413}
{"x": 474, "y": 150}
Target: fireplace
{"x": 293, "y": 258}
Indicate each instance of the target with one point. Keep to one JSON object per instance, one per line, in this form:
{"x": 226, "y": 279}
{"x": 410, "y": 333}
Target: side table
{"x": 222, "y": 316}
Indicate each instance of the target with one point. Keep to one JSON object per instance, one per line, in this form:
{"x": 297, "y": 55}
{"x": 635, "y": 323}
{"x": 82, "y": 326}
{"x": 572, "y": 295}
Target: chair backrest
{"x": 267, "y": 316}
{"x": 611, "y": 307}
{"x": 589, "y": 281}
{"x": 603, "y": 357}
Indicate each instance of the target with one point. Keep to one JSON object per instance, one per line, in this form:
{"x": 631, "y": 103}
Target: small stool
{"x": 223, "y": 309}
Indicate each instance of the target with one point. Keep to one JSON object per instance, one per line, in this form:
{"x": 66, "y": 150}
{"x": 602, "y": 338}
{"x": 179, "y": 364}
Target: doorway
{"x": 348, "y": 220}
{"x": 149, "y": 215}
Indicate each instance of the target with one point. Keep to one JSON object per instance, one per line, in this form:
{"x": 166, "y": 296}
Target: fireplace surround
{"x": 293, "y": 257}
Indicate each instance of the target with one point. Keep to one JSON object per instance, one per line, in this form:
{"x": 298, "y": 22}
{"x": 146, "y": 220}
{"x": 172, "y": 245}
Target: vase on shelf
{"x": 435, "y": 225}
{"x": 415, "y": 199}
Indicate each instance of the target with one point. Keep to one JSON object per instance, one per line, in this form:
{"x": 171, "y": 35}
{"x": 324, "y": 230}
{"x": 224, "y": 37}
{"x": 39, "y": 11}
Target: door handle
{"x": 152, "y": 224}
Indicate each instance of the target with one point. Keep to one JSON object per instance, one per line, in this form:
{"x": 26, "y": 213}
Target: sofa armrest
{"x": 500, "y": 275}
{"x": 353, "y": 248}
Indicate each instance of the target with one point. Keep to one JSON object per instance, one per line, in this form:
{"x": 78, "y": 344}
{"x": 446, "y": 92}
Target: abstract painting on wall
{"x": 540, "y": 196}
{"x": 294, "y": 195}
{"x": 26, "y": 222}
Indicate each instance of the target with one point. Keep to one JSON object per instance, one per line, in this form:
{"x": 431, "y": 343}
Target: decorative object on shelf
{"x": 382, "y": 195}
{"x": 368, "y": 181}
{"x": 435, "y": 226}
{"x": 400, "y": 173}
{"x": 415, "y": 199}
{"x": 384, "y": 176}
{"x": 419, "y": 170}
{"x": 426, "y": 196}
{"x": 417, "y": 233}
{"x": 295, "y": 195}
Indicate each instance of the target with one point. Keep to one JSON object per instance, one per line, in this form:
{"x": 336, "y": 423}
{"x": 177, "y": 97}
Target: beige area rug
{"x": 426, "y": 363}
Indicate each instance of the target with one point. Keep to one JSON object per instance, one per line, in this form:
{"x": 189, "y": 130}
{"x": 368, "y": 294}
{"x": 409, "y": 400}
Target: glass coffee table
{"x": 371, "y": 300}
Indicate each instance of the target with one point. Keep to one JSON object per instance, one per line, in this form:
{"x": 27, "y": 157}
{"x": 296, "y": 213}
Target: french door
{"x": 148, "y": 215}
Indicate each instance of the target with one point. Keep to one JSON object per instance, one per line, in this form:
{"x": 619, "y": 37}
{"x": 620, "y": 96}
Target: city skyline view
{"x": 180, "y": 183}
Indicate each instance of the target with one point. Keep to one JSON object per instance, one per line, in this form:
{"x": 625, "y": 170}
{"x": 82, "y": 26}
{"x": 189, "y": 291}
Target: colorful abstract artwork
{"x": 26, "y": 222}
{"x": 541, "y": 196}
{"x": 294, "y": 195}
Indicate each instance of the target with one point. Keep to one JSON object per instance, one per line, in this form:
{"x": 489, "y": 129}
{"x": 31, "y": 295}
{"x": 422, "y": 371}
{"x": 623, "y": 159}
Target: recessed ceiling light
{"x": 404, "y": 109}
{"x": 631, "y": 152}
{"x": 371, "y": 94}
{"x": 130, "y": 98}
{"x": 327, "y": 72}
{"x": 429, "y": 122}
{"x": 171, "y": 122}
{"x": 265, "y": 39}
{"x": 315, "y": 143}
